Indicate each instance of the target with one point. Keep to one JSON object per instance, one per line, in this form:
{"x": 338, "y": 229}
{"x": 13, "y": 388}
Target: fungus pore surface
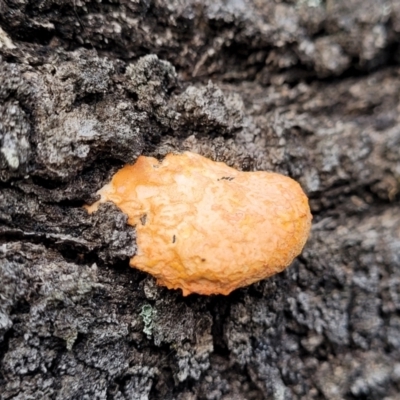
{"x": 206, "y": 228}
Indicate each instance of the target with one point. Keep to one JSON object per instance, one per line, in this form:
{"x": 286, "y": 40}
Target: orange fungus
{"x": 206, "y": 228}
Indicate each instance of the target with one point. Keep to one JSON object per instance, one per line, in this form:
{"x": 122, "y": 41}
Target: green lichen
{"x": 70, "y": 339}
{"x": 309, "y": 3}
{"x": 147, "y": 315}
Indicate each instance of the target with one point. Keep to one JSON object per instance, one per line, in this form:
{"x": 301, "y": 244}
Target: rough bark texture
{"x": 309, "y": 88}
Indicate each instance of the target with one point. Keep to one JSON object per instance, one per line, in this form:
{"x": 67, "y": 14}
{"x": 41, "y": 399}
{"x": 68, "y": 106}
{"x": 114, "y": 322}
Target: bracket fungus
{"x": 206, "y": 228}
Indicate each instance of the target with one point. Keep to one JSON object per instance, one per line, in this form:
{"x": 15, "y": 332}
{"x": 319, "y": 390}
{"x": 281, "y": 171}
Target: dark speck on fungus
{"x": 234, "y": 227}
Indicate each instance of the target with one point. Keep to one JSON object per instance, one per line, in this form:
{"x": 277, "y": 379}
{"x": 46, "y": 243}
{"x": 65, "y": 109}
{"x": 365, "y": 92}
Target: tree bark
{"x": 307, "y": 88}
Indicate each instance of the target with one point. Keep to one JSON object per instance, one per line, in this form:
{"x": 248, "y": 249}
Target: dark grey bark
{"x": 309, "y": 88}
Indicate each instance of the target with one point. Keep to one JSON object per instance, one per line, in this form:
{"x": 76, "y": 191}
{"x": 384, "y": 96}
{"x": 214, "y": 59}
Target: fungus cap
{"x": 206, "y": 228}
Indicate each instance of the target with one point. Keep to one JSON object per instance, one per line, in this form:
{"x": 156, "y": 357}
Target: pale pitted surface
{"x": 207, "y": 228}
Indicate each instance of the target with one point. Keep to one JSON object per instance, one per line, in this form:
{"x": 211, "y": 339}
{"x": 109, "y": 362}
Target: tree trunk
{"x": 307, "y": 88}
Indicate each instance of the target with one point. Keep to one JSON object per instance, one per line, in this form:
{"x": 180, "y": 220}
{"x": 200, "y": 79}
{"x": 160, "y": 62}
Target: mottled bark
{"x": 308, "y": 88}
